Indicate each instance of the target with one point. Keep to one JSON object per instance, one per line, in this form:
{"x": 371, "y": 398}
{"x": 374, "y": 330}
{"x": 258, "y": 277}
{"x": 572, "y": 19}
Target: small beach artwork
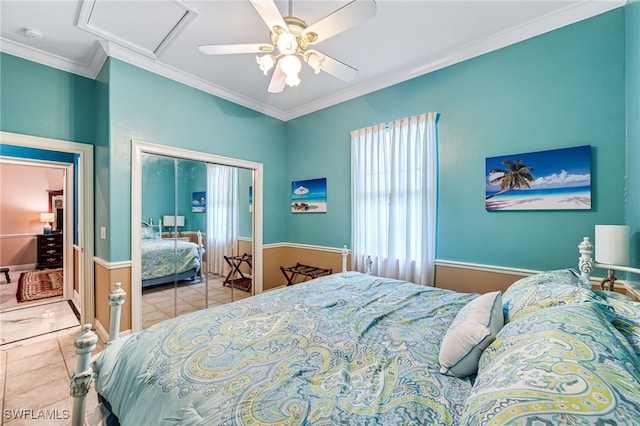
{"x": 309, "y": 196}
{"x": 557, "y": 179}
{"x": 199, "y": 202}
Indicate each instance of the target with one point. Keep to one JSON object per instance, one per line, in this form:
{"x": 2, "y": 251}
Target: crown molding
{"x": 118, "y": 52}
{"x": 89, "y": 69}
{"x": 563, "y": 17}
{"x": 558, "y": 19}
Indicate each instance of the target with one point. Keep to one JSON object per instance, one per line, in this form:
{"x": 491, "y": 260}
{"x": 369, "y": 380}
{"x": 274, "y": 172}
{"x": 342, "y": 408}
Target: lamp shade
{"x": 47, "y": 217}
{"x": 171, "y": 220}
{"x": 612, "y": 244}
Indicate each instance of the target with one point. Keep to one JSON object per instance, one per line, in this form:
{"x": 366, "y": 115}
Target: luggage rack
{"x": 235, "y": 278}
{"x": 307, "y": 271}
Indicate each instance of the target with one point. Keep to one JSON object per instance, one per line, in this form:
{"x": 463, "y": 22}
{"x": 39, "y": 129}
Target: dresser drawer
{"x": 50, "y": 251}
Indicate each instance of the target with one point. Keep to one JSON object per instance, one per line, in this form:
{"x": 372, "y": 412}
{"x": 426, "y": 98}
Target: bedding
{"x": 563, "y": 365}
{"x": 334, "y": 350}
{"x": 358, "y": 349}
{"x": 163, "y": 259}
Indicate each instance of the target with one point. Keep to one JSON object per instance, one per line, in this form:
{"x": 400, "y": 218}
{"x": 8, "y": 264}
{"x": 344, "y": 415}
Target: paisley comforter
{"x": 161, "y": 258}
{"x": 363, "y": 350}
{"x": 336, "y": 350}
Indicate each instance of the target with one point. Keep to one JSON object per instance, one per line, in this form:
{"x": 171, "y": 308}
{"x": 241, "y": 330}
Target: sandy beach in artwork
{"x": 524, "y": 201}
{"x": 308, "y": 207}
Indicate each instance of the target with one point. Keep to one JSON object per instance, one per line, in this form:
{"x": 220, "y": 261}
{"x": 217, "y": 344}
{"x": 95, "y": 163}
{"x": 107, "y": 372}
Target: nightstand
{"x": 50, "y": 251}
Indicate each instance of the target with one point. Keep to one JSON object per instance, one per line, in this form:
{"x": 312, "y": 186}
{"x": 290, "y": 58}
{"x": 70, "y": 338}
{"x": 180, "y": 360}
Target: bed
{"x": 351, "y": 348}
{"x": 165, "y": 261}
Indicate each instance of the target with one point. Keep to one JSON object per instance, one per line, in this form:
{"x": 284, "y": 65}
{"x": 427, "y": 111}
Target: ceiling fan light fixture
{"x": 266, "y": 62}
{"x": 287, "y": 44}
{"x": 291, "y": 66}
{"x": 314, "y": 59}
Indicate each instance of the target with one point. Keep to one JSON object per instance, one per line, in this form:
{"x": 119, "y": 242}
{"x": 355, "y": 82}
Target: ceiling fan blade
{"x": 270, "y": 14}
{"x": 342, "y": 19}
{"x": 276, "y": 85}
{"x": 338, "y": 69}
{"x": 230, "y": 49}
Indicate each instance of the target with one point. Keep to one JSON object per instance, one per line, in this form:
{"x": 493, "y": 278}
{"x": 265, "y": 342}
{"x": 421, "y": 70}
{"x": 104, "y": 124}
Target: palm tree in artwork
{"x": 515, "y": 176}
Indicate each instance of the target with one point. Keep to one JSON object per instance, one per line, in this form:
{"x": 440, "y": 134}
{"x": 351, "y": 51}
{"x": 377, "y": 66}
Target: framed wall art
{"x": 558, "y": 179}
{"x": 199, "y": 202}
{"x": 309, "y": 196}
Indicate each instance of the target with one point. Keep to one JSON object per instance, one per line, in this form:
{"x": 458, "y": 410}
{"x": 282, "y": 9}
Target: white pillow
{"x": 472, "y": 330}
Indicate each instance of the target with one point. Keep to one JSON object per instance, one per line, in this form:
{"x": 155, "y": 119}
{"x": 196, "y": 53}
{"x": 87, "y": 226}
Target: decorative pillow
{"x": 472, "y": 330}
{"x": 538, "y": 291}
{"x": 564, "y": 365}
{"x": 148, "y": 233}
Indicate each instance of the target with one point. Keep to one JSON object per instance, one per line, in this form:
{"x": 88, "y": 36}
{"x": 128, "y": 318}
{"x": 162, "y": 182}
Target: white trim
{"x": 147, "y": 64}
{"x": 85, "y": 208}
{"x": 137, "y": 149}
{"x": 89, "y": 70}
{"x": 112, "y": 265}
{"x": 7, "y": 236}
{"x": 573, "y": 13}
{"x": 486, "y": 268}
{"x": 303, "y": 246}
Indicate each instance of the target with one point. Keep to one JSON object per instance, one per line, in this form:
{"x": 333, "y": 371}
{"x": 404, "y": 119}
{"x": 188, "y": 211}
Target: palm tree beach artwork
{"x": 309, "y": 196}
{"x": 546, "y": 180}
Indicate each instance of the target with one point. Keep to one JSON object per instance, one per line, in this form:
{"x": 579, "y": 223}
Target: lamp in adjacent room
{"x": 173, "y": 221}
{"x": 47, "y": 218}
{"x": 612, "y": 249}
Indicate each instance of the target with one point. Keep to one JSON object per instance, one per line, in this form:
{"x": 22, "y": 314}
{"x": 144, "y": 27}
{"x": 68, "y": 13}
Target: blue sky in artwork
{"x": 313, "y": 189}
{"x": 560, "y": 168}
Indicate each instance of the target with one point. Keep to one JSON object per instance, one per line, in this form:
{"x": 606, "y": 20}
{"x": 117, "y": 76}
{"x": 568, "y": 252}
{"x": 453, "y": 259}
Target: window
{"x": 393, "y": 209}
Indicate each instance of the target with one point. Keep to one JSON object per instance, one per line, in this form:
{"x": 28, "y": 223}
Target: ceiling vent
{"x": 143, "y": 26}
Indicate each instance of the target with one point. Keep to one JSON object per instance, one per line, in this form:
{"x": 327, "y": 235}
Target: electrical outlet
{"x": 103, "y": 232}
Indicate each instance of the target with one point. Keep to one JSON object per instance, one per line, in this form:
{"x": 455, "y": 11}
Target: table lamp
{"x": 47, "y": 218}
{"x": 174, "y": 221}
{"x": 612, "y": 249}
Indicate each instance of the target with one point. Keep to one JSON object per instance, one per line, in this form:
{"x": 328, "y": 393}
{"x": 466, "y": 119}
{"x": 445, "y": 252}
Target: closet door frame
{"x": 141, "y": 147}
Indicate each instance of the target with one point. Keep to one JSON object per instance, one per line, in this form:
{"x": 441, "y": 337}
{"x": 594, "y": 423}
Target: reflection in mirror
{"x": 196, "y": 240}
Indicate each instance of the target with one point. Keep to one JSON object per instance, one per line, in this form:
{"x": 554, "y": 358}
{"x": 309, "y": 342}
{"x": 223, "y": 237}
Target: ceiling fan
{"x": 292, "y": 38}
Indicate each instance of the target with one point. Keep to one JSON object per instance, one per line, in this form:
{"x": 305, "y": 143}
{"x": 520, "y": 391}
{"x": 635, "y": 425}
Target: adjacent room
{"x": 310, "y": 212}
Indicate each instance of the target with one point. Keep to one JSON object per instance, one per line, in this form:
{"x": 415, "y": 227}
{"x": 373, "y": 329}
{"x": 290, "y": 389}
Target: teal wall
{"x": 46, "y": 102}
{"x": 633, "y": 127}
{"x": 151, "y": 108}
{"x": 562, "y": 89}
{"x": 159, "y": 192}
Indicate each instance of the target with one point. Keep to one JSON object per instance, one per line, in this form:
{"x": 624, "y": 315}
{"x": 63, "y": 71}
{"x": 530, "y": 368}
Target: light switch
{"x": 103, "y": 232}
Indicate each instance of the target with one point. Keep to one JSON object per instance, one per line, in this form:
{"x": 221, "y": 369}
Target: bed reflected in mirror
{"x": 196, "y": 245}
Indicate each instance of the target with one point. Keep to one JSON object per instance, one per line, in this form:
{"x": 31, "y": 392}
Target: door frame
{"x": 85, "y": 230}
{"x": 139, "y": 148}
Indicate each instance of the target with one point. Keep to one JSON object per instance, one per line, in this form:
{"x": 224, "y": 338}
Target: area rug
{"x": 37, "y": 285}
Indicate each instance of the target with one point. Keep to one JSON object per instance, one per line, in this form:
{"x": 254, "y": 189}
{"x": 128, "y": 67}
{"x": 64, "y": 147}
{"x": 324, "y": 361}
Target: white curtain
{"x": 222, "y": 216}
{"x": 393, "y": 175}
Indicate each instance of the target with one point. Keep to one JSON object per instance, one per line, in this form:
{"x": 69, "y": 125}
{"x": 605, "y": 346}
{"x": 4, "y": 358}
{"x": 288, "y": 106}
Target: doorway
{"x": 77, "y": 227}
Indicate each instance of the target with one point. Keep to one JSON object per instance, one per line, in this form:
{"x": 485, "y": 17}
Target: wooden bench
{"x": 308, "y": 271}
{"x": 5, "y": 271}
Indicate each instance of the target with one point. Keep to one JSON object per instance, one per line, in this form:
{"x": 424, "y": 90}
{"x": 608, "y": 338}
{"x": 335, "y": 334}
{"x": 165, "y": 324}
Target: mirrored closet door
{"x": 196, "y": 231}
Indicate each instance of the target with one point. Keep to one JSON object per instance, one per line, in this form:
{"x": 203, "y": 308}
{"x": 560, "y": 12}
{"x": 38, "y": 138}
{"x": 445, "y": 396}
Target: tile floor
{"x": 163, "y": 302}
{"x": 34, "y": 381}
{"x": 34, "y": 374}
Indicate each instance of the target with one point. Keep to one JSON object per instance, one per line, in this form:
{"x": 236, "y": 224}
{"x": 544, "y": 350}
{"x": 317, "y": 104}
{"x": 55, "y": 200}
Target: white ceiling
{"x": 404, "y": 40}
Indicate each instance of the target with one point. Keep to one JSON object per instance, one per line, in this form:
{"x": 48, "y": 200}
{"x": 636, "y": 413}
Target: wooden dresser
{"x": 50, "y": 251}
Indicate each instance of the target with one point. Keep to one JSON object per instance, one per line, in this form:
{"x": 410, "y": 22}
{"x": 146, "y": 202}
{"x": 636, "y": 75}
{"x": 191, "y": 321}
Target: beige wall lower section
{"x": 277, "y": 256}
{"x": 472, "y": 280}
{"x": 105, "y": 280}
{"x": 16, "y": 251}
